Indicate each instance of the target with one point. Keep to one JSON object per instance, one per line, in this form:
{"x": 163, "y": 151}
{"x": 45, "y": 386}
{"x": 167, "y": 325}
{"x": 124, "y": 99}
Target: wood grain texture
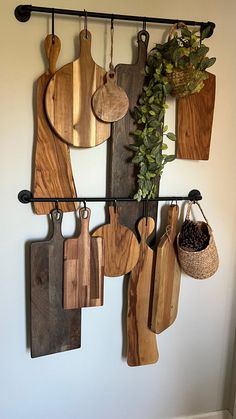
{"x": 83, "y": 268}
{"x": 68, "y": 99}
{"x": 194, "y": 122}
{"x": 52, "y": 328}
{"x": 52, "y": 172}
{"x": 167, "y": 277}
{"x": 122, "y": 179}
{"x": 121, "y": 247}
{"x": 142, "y": 345}
{"x": 110, "y": 102}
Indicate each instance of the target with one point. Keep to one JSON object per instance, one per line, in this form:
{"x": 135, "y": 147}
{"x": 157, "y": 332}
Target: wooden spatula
{"x": 52, "y": 328}
{"x": 167, "y": 277}
{"x": 142, "y": 346}
{"x": 83, "y": 267}
{"x": 121, "y": 246}
{"x": 68, "y": 99}
{"x": 52, "y": 172}
{"x": 194, "y": 122}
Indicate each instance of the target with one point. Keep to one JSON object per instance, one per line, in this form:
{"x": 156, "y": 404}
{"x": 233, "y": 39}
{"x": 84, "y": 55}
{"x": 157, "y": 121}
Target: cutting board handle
{"x": 113, "y": 215}
{"x": 85, "y": 45}
{"x": 52, "y": 45}
{"x": 145, "y": 228}
{"x": 142, "y": 38}
{"x": 56, "y": 217}
{"x": 173, "y": 213}
{"x": 85, "y": 214}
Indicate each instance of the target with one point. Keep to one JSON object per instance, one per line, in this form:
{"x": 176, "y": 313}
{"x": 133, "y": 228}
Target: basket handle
{"x": 190, "y": 203}
{"x": 174, "y": 28}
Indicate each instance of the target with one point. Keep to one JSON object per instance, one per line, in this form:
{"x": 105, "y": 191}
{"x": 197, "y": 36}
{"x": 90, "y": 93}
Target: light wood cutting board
{"x": 121, "y": 247}
{"x": 194, "y": 122}
{"x": 83, "y": 267}
{"x": 167, "y": 277}
{"x": 142, "y": 345}
{"x": 68, "y": 99}
{"x": 52, "y": 172}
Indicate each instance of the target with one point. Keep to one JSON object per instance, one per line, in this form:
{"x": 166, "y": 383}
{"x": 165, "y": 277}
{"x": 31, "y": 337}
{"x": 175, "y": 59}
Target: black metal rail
{"x": 23, "y": 14}
{"x": 26, "y": 197}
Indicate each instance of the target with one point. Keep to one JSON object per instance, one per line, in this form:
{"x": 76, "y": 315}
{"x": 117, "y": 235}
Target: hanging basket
{"x": 197, "y": 252}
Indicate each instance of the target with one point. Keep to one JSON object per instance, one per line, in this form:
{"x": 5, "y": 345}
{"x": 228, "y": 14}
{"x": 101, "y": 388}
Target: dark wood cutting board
{"x": 53, "y": 329}
{"x": 122, "y": 173}
{"x": 142, "y": 345}
{"x": 83, "y": 267}
{"x": 167, "y": 277}
{"x": 194, "y": 122}
{"x": 52, "y": 172}
{"x": 68, "y": 99}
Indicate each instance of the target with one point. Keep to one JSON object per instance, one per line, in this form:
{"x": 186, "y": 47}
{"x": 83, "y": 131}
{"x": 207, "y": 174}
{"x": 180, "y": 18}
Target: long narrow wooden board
{"x": 122, "y": 172}
{"x": 194, "y": 122}
{"x": 167, "y": 277}
{"x": 53, "y": 329}
{"x": 83, "y": 267}
{"x": 142, "y": 345}
{"x": 52, "y": 172}
{"x": 68, "y": 99}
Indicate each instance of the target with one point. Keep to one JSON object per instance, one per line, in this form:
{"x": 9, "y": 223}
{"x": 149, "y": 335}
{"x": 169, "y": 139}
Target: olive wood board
{"x": 83, "y": 267}
{"x": 68, "y": 99}
{"x": 121, "y": 248}
{"x": 166, "y": 286}
{"x": 194, "y": 122}
{"x": 53, "y": 329}
{"x": 122, "y": 179}
{"x": 141, "y": 341}
{"x": 52, "y": 172}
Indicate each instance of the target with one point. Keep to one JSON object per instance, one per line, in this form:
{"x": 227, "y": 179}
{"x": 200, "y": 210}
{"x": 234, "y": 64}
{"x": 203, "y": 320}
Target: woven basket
{"x": 179, "y": 78}
{"x": 200, "y": 264}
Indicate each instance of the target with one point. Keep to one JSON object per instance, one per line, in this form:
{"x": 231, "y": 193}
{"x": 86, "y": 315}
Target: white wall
{"x": 193, "y": 372}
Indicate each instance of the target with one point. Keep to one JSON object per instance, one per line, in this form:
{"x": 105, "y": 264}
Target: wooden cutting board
{"x": 83, "y": 267}
{"x": 68, "y": 99}
{"x": 121, "y": 247}
{"x": 194, "y": 122}
{"x": 122, "y": 173}
{"x": 142, "y": 345}
{"x": 52, "y": 173}
{"x": 167, "y": 277}
{"x": 52, "y": 328}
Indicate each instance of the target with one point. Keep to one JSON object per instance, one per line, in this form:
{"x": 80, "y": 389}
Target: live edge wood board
{"x": 68, "y": 99}
{"x": 53, "y": 329}
{"x": 122, "y": 173}
{"x": 52, "y": 172}
{"x": 141, "y": 341}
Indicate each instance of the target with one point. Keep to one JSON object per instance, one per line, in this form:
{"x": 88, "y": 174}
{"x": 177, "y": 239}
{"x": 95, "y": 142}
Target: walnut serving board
{"x": 167, "y": 277}
{"x": 142, "y": 345}
{"x": 52, "y": 328}
{"x": 120, "y": 246}
{"x": 83, "y": 267}
{"x": 68, "y": 99}
{"x": 194, "y": 122}
{"x": 52, "y": 172}
{"x": 122, "y": 172}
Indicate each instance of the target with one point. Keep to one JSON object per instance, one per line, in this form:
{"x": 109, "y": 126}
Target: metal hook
{"x": 144, "y": 24}
{"x": 115, "y": 205}
{"x": 53, "y": 26}
{"x": 56, "y": 206}
{"x": 86, "y": 23}
{"x": 112, "y": 22}
{"x": 85, "y": 206}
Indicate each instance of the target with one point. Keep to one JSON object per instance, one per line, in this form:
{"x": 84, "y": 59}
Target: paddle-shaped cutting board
{"x": 141, "y": 341}
{"x": 121, "y": 247}
{"x": 68, "y": 99}
{"x": 167, "y": 277}
{"x": 52, "y": 328}
{"x": 194, "y": 122}
{"x": 52, "y": 172}
{"x": 83, "y": 267}
{"x": 122, "y": 179}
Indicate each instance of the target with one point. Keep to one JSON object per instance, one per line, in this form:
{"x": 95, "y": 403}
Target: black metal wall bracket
{"x": 23, "y": 14}
{"x": 26, "y": 197}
